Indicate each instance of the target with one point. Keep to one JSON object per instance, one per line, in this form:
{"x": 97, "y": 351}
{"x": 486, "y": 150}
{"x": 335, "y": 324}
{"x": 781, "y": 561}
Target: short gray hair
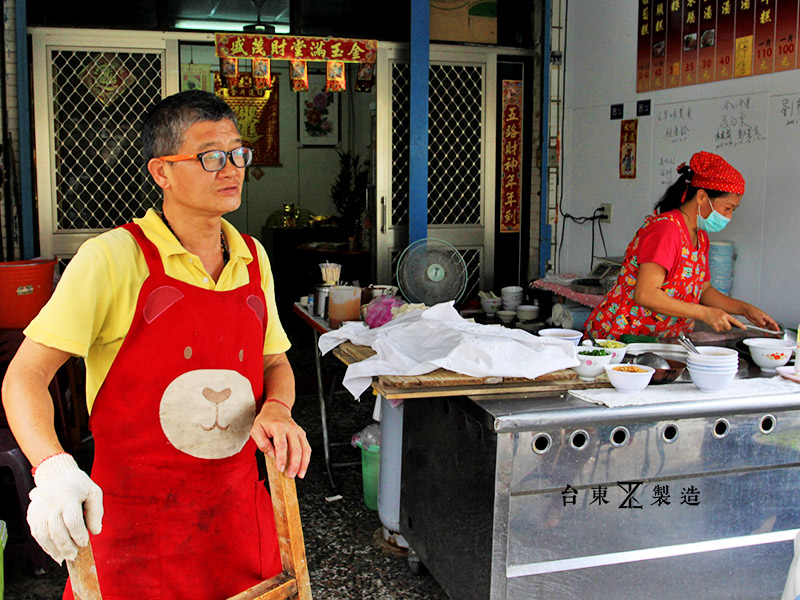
{"x": 166, "y": 123}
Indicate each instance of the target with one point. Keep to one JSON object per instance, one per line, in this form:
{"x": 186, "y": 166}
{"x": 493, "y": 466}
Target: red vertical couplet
{"x": 707, "y": 41}
{"x": 691, "y": 10}
{"x": 764, "y": 41}
{"x": 674, "y": 42}
{"x": 786, "y": 35}
{"x": 643, "y": 46}
{"x": 511, "y": 157}
{"x": 745, "y": 35}
{"x": 627, "y": 148}
{"x": 724, "y": 59}
{"x": 658, "y": 23}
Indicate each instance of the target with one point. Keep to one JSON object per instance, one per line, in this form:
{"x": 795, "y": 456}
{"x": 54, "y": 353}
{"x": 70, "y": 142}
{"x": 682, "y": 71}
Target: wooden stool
{"x": 291, "y": 584}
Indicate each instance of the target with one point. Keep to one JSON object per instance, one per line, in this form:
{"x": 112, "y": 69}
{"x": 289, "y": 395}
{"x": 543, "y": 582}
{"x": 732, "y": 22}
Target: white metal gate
{"x": 91, "y": 91}
{"x": 460, "y": 158}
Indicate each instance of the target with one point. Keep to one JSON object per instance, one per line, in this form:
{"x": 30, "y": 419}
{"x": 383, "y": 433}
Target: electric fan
{"x": 431, "y": 271}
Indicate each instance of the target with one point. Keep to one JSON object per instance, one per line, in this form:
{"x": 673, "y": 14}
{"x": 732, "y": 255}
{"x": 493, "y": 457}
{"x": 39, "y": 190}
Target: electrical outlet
{"x": 605, "y": 216}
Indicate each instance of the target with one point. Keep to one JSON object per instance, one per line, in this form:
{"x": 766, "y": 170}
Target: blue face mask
{"x": 714, "y": 223}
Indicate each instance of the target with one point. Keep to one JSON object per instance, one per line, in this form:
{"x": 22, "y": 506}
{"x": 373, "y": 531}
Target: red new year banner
{"x": 764, "y": 37}
{"x": 659, "y": 39}
{"x": 786, "y": 35}
{"x": 674, "y": 43}
{"x": 511, "y": 157}
{"x": 244, "y": 45}
{"x": 745, "y": 29}
{"x": 691, "y": 9}
{"x": 708, "y": 41}
{"x": 643, "y": 51}
{"x": 725, "y": 39}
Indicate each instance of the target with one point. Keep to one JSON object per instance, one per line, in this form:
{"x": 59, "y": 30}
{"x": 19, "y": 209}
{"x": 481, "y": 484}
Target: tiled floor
{"x": 347, "y": 557}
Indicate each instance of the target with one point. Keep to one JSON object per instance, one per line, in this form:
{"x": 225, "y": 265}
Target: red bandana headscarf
{"x": 712, "y": 172}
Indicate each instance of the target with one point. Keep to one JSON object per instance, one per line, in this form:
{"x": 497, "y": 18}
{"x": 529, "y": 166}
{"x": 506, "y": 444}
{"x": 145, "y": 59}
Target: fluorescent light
{"x": 222, "y": 26}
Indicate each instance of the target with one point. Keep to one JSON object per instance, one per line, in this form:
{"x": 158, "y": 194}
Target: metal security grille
{"x": 454, "y": 144}
{"x": 99, "y": 100}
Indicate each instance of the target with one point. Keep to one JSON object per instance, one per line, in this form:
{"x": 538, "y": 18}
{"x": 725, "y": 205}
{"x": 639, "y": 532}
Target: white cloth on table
{"x": 422, "y": 341}
{"x": 683, "y": 392}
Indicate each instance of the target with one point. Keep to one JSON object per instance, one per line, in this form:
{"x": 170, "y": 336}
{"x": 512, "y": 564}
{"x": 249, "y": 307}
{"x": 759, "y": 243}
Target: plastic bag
{"x": 368, "y": 438}
{"x": 379, "y": 310}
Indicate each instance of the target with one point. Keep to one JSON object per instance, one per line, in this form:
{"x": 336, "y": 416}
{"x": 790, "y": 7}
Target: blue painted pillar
{"x": 25, "y": 157}
{"x": 545, "y": 231}
{"x": 418, "y": 149}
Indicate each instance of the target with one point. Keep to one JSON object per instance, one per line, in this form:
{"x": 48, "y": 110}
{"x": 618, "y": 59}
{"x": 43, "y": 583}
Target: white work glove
{"x": 63, "y": 494}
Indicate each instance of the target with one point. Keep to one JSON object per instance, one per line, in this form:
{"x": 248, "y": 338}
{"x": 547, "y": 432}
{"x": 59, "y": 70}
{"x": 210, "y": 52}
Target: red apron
{"x": 618, "y": 313}
{"x": 185, "y": 514}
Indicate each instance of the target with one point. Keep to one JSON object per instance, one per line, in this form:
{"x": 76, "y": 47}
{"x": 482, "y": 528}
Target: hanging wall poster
{"x": 643, "y": 50}
{"x": 659, "y": 38}
{"x": 786, "y": 35}
{"x": 764, "y": 39}
{"x": 700, "y": 41}
{"x": 628, "y": 134}
{"x": 708, "y": 39}
{"x": 257, "y": 116}
{"x": 318, "y": 114}
{"x": 511, "y": 157}
{"x": 691, "y": 10}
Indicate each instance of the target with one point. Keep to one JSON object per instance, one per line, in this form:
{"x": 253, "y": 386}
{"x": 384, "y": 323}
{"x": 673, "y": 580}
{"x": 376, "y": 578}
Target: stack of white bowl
{"x": 512, "y": 297}
{"x": 713, "y": 368}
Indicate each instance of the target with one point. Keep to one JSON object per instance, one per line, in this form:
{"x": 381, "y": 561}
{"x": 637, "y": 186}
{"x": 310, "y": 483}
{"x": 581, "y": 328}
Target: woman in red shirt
{"x": 664, "y": 284}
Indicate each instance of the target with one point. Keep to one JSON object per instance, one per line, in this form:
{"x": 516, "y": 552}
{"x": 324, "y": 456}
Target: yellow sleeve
{"x": 83, "y": 309}
{"x": 275, "y": 341}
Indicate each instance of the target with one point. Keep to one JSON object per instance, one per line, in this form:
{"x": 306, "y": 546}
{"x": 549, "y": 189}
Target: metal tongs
{"x": 687, "y": 343}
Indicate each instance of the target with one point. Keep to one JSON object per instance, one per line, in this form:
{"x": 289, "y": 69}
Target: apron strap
{"x": 149, "y": 249}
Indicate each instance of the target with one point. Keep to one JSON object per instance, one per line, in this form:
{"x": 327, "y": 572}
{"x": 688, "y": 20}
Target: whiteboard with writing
{"x": 737, "y": 128}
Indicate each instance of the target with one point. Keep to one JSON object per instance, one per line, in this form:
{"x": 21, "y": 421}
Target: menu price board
{"x": 687, "y": 42}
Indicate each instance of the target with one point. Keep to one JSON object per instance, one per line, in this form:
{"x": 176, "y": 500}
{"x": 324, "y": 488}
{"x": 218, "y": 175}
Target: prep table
{"x": 508, "y": 493}
{"x": 499, "y": 496}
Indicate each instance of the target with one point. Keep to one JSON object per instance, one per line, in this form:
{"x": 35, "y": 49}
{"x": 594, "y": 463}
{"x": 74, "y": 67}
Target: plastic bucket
{"x": 25, "y": 287}
{"x": 370, "y": 472}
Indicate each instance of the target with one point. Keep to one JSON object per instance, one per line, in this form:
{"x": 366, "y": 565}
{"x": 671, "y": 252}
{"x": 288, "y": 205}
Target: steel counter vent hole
{"x": 721, "y": 428}
{"x": 767, "y": 424}
{"x": 620, "y": 436}
{"x": 579, "y": 439}
{"x": 670, "y": 433}
{"x": 541, "y": 443}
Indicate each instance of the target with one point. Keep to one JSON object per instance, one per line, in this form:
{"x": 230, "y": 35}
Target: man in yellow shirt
{"x": 186, "y": 376}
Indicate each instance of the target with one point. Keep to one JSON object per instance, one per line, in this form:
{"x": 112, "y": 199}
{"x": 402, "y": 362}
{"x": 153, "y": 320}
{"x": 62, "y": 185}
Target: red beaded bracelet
{"x": 39, "y": 464}
{"x": 279, "y": 402}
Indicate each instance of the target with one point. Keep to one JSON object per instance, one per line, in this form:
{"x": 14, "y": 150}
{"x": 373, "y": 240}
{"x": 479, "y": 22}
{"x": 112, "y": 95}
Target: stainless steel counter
{"x": 521, "y": 497}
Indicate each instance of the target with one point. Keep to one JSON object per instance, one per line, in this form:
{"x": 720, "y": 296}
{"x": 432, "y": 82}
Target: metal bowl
{"x": 668, "y": 375}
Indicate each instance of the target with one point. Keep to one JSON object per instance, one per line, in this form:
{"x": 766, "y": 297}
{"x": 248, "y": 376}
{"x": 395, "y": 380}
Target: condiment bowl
{"x": 592, "y": 363}
{"x": 708, "y": 381}
{"x": 491, "y": 305}
{"x": 572, "y": 335}
{"x": 506, "y": 316}
{"x": 769, "y": 353}
{"x": 617, "y": 349}
{"x": 629, "y": 378}
{"x": 527, "y": 312}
